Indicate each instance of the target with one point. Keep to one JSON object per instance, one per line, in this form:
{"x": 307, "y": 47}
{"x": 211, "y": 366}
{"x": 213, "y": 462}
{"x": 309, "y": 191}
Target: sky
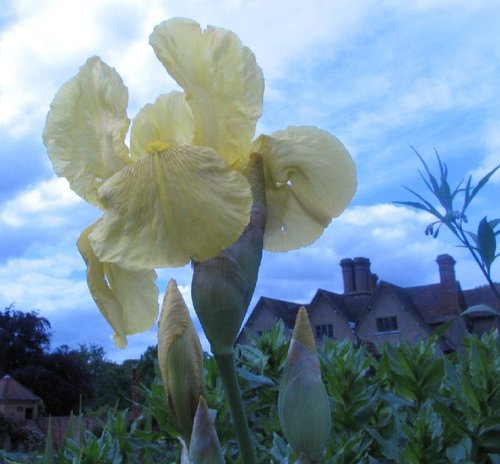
{"x": 383, "y": 76}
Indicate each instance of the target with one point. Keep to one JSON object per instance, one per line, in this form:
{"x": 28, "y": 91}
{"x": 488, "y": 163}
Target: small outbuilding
{"x": 16, "y": 401}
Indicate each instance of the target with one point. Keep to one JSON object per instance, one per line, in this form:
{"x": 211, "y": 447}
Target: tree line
{"x": 67, "y": 379}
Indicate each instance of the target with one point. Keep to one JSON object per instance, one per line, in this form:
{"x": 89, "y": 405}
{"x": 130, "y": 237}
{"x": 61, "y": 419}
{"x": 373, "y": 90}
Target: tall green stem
{"x": 227, "y": 369}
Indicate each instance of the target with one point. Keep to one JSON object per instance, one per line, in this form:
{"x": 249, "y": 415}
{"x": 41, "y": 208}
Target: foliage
{"x": 66, "y": 379}
{"x": 406, "y": 403}
{"x": 24, "y": 338}
{"x": 482, "y": 242}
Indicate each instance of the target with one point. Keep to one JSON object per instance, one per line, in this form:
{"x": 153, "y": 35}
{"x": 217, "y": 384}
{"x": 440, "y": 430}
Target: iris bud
{"x": 205, "y": 447}
{"x": 223, "y": 286}
{"x": 181, "y": 360}
{"x": 303, "y": 405}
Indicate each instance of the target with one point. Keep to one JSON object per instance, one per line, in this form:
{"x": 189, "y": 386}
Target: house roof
{"x": 402, "y": 295}
{"x": 11, "y": 390}
{"x": 481, "y": 295}
{"x": 350, "y": 305}
{"x": 429, "y": 301}
{"x": 284, "y": 310}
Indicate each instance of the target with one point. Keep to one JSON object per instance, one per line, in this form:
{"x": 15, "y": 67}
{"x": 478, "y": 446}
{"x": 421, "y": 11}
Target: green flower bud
{"x": 181, "y": 360}
{"x": 205, "y": 447}
{"x": 303, "y": 405}
{"x": 223, "y": 286}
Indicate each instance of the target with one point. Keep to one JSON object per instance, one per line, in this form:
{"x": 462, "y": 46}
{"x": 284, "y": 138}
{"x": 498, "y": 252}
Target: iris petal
{"x": 166, "y": 123}
{"x": 86, "y": 128}
{"x": 223, "y": 83}
{"x": 170, "y": 207}
{"x": 310, "y": 178}
{"x": 127, "y": 299}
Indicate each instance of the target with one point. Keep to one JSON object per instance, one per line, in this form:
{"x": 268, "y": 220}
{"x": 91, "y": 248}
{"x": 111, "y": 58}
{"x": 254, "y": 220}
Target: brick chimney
{"x": 449, "y": 285}
{"x": 362, "y": 275}
{"x": 347, "y": 266}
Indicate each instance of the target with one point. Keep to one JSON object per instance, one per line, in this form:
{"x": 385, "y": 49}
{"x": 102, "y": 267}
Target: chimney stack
{"x": 362, "y": 275}
{"x": 357, "y": 275}
{"x": 449, "y": 287}
{"x": 347, "y": 266}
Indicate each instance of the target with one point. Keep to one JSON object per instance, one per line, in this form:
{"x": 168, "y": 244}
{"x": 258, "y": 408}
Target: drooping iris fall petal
{"x": 168, "y": 122}
{"x": 127, "y": 299}
{"x": 170, "y": 207}
{"x": 310, "y": 178}
{"x": 223, "y": 83}
{"x": 86, "y": 128}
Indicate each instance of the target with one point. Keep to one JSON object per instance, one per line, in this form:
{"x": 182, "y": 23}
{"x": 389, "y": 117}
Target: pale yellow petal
{"x": 310, "y": 178}
{"x": 86, "y": 128}
{"x": 127, "y": 299}
{"x": 168, "y": 122}
{"x": 170, "y": 207}
{"x": 223, "y": 83}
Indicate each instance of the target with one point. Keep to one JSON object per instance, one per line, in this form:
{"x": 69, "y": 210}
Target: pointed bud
{"x": 303, "y": 405}
{"x": 223, "y": 286}
{"x": 181, "y": 360}
{"x": 205, "y": 447}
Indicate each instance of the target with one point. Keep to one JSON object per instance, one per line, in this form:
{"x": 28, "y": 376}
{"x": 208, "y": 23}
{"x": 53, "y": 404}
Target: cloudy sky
{"x": 381, "y": 75}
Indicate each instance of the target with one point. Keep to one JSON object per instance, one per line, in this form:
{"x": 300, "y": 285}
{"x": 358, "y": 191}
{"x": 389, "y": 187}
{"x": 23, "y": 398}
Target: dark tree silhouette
{"x": 24, "y": 338}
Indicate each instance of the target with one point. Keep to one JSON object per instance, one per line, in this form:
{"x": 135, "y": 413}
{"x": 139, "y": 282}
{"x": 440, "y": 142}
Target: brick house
{"x": 377, "y": 311}
{"x": 17, "y": 402}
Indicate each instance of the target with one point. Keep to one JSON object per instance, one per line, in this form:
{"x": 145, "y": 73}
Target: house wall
{"x": 19, "y": 411}
{"x": 322, "y": 313}
{"x": 387, "y": 305}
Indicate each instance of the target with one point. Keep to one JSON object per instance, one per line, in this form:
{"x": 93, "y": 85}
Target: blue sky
{"x": 380, "y": 75}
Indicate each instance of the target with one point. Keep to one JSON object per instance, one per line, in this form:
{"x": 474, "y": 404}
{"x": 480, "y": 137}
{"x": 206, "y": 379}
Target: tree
{"x": 60, "y": 379}
{"x": 24, "y": 338}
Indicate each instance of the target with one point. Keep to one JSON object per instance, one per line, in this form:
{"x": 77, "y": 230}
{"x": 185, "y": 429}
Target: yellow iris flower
{"x": 179, "y": 192}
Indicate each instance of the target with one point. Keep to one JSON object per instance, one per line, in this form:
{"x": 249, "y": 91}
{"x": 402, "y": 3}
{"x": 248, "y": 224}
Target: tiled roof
{"x": 284, "y": 310}
{"x": 428, "y": 300}
{"x": 11, "y": 390}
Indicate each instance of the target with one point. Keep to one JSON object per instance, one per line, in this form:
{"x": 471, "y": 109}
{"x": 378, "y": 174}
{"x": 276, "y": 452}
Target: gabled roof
{"x": 11, "y": 390}
{"x": 351, "y": 306}
{"x": 429, "y": 298}
{"x": 284, "y": 310}
{"x": 402, "y": 295}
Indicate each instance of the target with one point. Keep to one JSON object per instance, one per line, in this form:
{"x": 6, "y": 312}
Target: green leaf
{"x": 486, "y": 243}
{"x": 480, "y": 185}
{"x": 443, "y": 328}
{"x": 48, "y": 455}
{"x": 253, "y": 379}
{"x": 480, "y": 308}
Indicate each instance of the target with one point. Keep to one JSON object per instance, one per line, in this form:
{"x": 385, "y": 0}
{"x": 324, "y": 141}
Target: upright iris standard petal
{"x": 166, "y": 123}
{"x": 223, "y": 83}
{"x": 310, "y": 178}
{"x": 127, "y": 299}
{"x": 86, "y": 128}
{"x": 171, "y": 207}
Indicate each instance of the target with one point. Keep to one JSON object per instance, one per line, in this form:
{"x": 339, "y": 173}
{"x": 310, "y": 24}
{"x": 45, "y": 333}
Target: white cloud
{"x": 49, "y": 200}
{"x": 491, "y": 137}
{"x": 48, "y": 282}
{"x": 53, "y": 38}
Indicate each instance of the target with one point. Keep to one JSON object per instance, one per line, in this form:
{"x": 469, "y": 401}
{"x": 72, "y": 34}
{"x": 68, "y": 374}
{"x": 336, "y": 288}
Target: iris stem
{"x": 227, "y": 369}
